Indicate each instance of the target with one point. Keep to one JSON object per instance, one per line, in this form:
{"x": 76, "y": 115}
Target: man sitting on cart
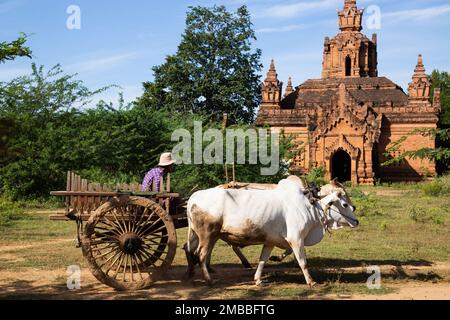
{"x": 154, "y": 176}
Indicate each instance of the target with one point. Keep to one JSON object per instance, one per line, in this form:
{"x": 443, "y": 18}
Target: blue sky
{"x": 119, "y": 41}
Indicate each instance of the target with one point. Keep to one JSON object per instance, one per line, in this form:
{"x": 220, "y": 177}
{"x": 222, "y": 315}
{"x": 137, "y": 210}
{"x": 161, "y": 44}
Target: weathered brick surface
{"x": 354, "y": 110}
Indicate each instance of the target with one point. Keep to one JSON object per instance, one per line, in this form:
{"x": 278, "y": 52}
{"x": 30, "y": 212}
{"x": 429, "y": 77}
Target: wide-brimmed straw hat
{"x": 166, "y": 159}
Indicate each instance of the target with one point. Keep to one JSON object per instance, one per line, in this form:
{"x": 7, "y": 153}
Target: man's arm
{"x": 157, "y": 179}
{"x": 148, "y": 179}
{"x": 152, "y": 177}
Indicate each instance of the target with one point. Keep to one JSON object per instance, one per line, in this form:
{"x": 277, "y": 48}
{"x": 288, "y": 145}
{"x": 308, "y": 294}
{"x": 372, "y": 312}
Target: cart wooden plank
{"x": 112, "y": 194}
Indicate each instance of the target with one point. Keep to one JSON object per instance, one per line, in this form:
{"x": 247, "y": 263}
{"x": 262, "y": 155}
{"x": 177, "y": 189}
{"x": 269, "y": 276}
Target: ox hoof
{"x": 211, "y": 270}
{"x": 275, "y": 259}
{"x": 210, "y": 283}
{"x": 312, "y": 284}
{"x": 187, "y": 277}
{"x": 261, "y": 283}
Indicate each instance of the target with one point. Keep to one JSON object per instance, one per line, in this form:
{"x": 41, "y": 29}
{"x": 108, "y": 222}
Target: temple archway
{"x": 341, "y": 166}
{"x": 348, "y": 66}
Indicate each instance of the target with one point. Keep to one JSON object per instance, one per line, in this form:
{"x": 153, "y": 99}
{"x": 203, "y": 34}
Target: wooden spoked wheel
{"x": 129, "y": 243}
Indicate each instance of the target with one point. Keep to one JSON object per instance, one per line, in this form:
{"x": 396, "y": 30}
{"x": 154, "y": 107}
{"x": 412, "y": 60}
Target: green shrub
{"x": 437, "y": 187}
{"x": 10, "y": 212}
{"x": 424, "y": 214}
{"x": 417, "y": 214}
{"x": 432, "y": 189}
{"x": 367, "y": 204}
{"x": 383, "y": 226}
{"x": 357, "y": 193}
{"x": 445, "y": 180}
{"x": 317, "y": 176}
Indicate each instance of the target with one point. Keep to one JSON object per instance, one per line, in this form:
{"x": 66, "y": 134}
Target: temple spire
{"x": 272, "y": 73}
{"x": 419, "y": 88}
{"x": 350, "y": 53}
{"x": 289, "y": 88}
{"x": 350, "y": 18}
{"x": 349, "y": 4}
{"x": 419, "y": 71}
{"x": 271, "y": 88}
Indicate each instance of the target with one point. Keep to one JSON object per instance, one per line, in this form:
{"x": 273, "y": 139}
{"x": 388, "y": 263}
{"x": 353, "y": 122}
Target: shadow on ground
{"x": 284, "y": 280}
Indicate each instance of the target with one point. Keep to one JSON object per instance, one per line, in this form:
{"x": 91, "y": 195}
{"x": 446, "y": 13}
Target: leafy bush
{"x": 367, "y": 204}
{"x": 9, "y": 212}
{"x": 421, "y": 214}
{"x": 103, "y": 144}
{"x": 445, "y": 184}
{"x": 432, "y": 189}
{"x": 317, "y": 176}
{"x": 357, "y": 193}
{"x": 418, "y": 214}
{"x": 438, "y": 187}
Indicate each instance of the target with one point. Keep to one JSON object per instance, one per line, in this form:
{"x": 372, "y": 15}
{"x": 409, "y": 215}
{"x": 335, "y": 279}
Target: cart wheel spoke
{"x": 129, "y": 242}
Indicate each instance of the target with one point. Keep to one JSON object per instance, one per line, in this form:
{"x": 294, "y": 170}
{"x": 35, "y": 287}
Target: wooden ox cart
{"x": 128, "y": 237}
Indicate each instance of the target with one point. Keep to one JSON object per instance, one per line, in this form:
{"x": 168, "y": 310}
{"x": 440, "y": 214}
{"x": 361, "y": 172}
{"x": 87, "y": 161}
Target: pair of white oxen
{"x": 282, "y": 217}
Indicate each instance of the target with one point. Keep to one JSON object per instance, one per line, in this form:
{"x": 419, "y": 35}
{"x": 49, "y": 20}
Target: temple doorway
{"x": 348, "y": 66}
{"x": 341, "y": 166}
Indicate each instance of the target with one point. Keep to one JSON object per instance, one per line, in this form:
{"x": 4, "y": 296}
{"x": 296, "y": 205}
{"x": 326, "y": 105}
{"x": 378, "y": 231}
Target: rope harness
{"x": 325, "y": 218}
{"x": 323, "y": 214}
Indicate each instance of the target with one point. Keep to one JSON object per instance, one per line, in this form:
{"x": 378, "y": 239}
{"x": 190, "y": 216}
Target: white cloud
{"x": 104, "y": 63}
{"x": 295, "y": 9}
{"x": 282, "y": 28}
{"x": 417, "y": 14}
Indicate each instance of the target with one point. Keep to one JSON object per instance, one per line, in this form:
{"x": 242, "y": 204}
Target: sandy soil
{"x": 39, "y": 284}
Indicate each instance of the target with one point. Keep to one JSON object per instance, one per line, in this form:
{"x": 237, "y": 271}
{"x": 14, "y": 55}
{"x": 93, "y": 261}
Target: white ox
{"x": 283, "y": 217}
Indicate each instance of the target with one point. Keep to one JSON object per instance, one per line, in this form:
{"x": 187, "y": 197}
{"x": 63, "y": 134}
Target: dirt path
{"x": 338, "y": 278}
{"x": 40, "y": 284}
{"x": 27, "y": 245}
{"x": 413, "y": 291}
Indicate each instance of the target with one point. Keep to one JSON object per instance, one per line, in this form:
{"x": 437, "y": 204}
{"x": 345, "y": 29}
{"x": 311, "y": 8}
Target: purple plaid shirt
{"x": 154, "y": 175}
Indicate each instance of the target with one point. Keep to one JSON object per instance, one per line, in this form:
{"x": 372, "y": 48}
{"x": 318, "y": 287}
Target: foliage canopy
{"x": 215, "y": 70}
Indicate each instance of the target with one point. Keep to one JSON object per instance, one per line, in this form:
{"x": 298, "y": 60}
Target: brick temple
{"x": 345, "y": 120}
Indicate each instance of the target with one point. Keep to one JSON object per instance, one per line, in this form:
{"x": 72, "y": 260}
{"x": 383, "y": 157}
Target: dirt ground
{"x": 233, "y": 282}
{"x": 413, "y": 256}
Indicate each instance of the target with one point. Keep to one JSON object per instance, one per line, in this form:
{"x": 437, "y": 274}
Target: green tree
{"x": 440, "y": 154}
{"x": 442, "y": 80}
{"x": 40, "y": 109}
{"x": 14, "y": 49}
{"x": 215, "y": 69}
{"x": 10, "y": 51}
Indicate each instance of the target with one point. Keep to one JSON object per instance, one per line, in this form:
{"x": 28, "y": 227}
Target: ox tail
{"x": 192, "y": 238}
{"x": 192, "y": 241}
{"x": 191, "y": 246}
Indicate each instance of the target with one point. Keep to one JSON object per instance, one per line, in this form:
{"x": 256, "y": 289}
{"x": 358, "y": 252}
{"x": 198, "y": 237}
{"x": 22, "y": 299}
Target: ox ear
{"x": 334, "y": 182}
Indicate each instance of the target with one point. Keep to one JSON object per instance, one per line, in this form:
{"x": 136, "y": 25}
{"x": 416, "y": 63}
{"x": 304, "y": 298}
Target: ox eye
{"x": 345, "y": 205}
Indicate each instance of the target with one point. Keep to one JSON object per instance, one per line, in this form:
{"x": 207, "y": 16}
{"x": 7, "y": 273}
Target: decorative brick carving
{"x": 271, "y": 88}
{"x": 350, "y": 53}
{"x": 419, "y": 88}
{"x": 289, "y": 88}
{"x": 352, "y": 109}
